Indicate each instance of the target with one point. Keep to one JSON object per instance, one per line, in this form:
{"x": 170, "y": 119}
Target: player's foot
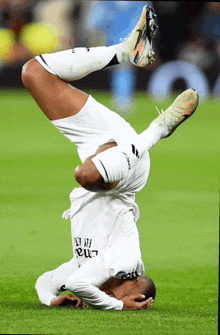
{"x": 138, "y": 46}
{"x": 180, "y": 110}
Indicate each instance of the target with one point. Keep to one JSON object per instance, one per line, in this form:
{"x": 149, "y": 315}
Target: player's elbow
{"x": 31, "y": 71}
{"x": 76, "y": 285}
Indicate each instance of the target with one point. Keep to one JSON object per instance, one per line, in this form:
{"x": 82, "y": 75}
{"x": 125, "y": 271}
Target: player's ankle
{"x": 122, "y": 56}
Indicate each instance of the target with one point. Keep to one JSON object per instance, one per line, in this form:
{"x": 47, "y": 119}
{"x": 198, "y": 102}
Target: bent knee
{"x": 88, "y": 176}
{"x": 92, "y": 180}
{"x": 31, "y": 71}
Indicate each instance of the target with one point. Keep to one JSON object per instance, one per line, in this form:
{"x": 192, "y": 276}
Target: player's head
{"x": 120, "y": 288}
{"x": 147, "y": 287}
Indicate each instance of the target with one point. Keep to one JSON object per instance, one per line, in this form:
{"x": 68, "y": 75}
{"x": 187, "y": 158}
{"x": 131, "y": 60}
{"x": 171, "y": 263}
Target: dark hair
{"x": 149, "y": 287}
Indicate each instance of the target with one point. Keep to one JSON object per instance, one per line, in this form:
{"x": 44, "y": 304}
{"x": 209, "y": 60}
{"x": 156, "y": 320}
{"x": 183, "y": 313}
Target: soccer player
{"x": 115, "y": 166}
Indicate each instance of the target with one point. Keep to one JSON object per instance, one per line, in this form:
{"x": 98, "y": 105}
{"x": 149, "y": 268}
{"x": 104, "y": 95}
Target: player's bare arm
{"x": 68, "y": 300}
{"x": 133, "y": 302}
{"x": 137, "y": 302}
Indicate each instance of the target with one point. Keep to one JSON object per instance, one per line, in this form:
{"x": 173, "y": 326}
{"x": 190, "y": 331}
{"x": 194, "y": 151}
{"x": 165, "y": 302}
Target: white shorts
{"x": 95, "y": 125}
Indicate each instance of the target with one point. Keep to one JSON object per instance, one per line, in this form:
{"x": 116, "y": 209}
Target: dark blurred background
{"x": 188, "y": 32}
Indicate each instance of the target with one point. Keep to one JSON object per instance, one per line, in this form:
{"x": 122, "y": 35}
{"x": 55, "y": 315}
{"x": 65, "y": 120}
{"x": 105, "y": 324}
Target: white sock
{"x": 115, "y": 163}
{"x": 77, "y": 63}
{"x": 149, "y": 137}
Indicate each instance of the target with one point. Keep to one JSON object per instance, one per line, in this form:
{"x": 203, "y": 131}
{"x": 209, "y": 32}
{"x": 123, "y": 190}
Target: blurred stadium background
{"x": 188, "y": 33}
{"x": 178, "y": 225}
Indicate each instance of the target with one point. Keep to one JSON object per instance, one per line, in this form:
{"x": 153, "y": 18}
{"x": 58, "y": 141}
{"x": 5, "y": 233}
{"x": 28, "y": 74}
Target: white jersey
{"x": 99, "y": 221}
{"x": 105, "y": 243}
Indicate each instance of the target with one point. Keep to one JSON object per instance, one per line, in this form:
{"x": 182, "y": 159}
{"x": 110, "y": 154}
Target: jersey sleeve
{"x": 65, "y": 277}
{"x": 85, "y": 283}
{"x": 92, "y": 295}
{"x": 51, "y": 283}
{"x": 45, "y": 290}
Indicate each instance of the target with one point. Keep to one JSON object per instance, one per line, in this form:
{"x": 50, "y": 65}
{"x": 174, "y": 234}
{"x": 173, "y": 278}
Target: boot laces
{"x": 169, "y": 117}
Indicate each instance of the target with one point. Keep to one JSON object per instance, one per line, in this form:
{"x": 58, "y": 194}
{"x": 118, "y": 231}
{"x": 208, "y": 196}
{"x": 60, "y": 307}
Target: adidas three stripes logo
{"x": 135, "y": 151}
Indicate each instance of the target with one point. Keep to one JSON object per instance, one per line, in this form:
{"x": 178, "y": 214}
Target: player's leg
{"x": 127, "y": 156}
{"x": 88, "y": 176}
{"x": 106, "y": 168}
{"x": 46, "y": 78}
{"x": 168, "y": 121}
{"x": 59, "y": 100}
{"x": 56, "y": 98}
{"x": 77, "y": 63}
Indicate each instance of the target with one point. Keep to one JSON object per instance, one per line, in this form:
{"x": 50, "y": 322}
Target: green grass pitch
{"x": 178, "y": 225}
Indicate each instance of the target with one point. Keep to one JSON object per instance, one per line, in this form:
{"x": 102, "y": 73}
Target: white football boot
{"x": 138, "y": 46}
{"x": 180, "y": 110}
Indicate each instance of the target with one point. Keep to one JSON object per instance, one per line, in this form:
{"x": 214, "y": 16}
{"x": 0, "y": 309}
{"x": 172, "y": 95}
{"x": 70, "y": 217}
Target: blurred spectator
{"x": 58, "y": 14}
{"x": 84, "y": 34}
{"x": 187, "y": 31}
{"x": 210, "y": 21}
{"x": 196, "y": 52}
{"x": 203, "y": 47}
{"x": 32, "y": 27}
{"x": 14, "y": 15}
{"x": 190, "y": 32}
{"x": 112, "y": 21}
{"x": 207, "y": 28}
{"x": 175, "y": 25}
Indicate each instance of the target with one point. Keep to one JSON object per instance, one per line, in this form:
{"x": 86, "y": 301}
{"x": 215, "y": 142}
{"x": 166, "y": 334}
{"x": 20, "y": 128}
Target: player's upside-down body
{"x": 115, "y": 166}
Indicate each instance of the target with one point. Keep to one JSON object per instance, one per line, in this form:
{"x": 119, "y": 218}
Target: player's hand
{"x": 68, "y": 301}
{"x": 137, "y": 302}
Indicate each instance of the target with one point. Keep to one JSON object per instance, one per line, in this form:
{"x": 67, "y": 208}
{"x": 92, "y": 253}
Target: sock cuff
{"x": 114, "y": 61}
{"x": 112, "y": 164}
{"x": 42, "y": 61}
